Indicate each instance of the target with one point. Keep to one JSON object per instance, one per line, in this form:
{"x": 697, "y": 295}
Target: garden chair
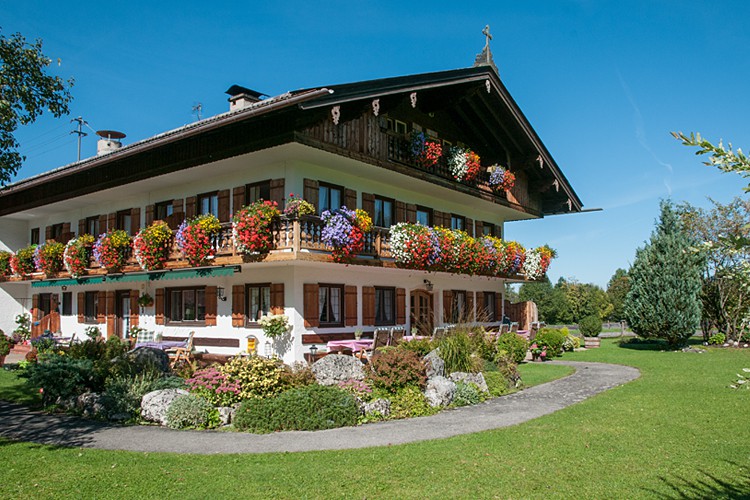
{"x": 379, "y": 339}
{"x": 65, "y": 342}
{"x": 533, "y": 331}
{"x": 397, "y": 334}
{"x": 438, "y": 333}
{"x": 177, "y": 354}
{"x": 514, "y": 327}
{"x": 504, "y": 328}
{"x": 144, "y": 336}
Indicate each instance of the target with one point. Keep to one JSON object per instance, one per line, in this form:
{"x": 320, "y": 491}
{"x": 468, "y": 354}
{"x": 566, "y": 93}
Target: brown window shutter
{"x": 67, "y": 235}
{"x": 134, "y": 307}
{"x": 81, "y": 306}
{"x": 238, "y": 198}
{"x": 481, "y": 313}
{"x": 499, "y": 305}
{"x": 350, "y": 199}
{"x": 47, "y": 233}
{"x": 159, "y": 306}
{"x": 238, "y": 305}
{"x": 101, "y": 307}
{"x": 277, "y": 192}
{"x": 469, "y": 226}
{"x": 224, "y": 205}
{"x": 135, "y": 220}
{"x": 102, "y": 224}
{"x": 111, "y": 221}
{"x": 368, "y": 305}
{"x": 350, "y": 305}
{"x": 478, "y": 229}
{"x": 437, "y": 219}
{"x": 149, "y": 215}
{"x": 110, "y": 313}
{"x": 211, "y": 296}
{"x": 411, "y": 213}
{"x": 312, "y": 317}
{"x": 178, "y": 209}
{"x": 447, "y": 305}
{"x": 310, "y": 193}
{"x": 368, "y": 203}
{"x": 400, "y": 306}
{"x": 190, "y": 203}
{"x": 470, "y": 306}
{"x": 400, "y": 212}
{"x": 277, "y": 298}
{"x": 81, "y": 226}
{"x": 36, "y": 315}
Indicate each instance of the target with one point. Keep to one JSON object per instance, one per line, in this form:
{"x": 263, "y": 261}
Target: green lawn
{"x": 678, "y": 431}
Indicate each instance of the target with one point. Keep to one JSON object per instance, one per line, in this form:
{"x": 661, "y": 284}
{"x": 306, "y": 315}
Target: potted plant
{"x": 344, "y": 230}
{"x": 251, "y": 227}
{"x": 538, "y": 353}
{"x": 501, "y": 179}
{"x": 77, "y": 254}
{"x": 294, "y": 207}
{"x": 22, "y": 262}
{"x": 48, "y": 257}
{"x": 110, "y": 250}
{"x": 152, "y": 245}
{"x": 5, "y": 269}
{"x": 5, "y": 346}
{"x": 591, "y": 326}
{"x": 425, "y": 152}
{"x": 194, "y": 238}
{"x": 274, "y": 325}
{"x": 145, "y": 300}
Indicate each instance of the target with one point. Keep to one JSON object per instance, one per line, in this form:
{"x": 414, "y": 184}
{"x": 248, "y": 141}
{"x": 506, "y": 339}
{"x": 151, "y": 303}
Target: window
{"x": 489, "y": 306}
{"x": 458, "y": 309}
{"x": 162, "y": 210}
{"x": 385, "y": 306}
{"x": 34, "y": 240}
{"x": 458, "y": 222}
{"x": 67, "y": 303}
{"x": 397, "y": 126}
{"x": 488, "y": 229}
{"x": 383, "y": 216}
{"x": 91, "y": 307}
{"x": 186, "y": 304}
{"x": 57, "y": 231}
{"x": 208, "y": 203}
{"x": 124, "y": 221}
{"x": 424, "y": 216}
{"x": 331, "y": 305}
{"x": 45, "y": 303}
{"x": 257, "y": 191}
{"x": 329, "y": 197}
{"x": 258, "y": 301}
{"x": 92, "y": 226}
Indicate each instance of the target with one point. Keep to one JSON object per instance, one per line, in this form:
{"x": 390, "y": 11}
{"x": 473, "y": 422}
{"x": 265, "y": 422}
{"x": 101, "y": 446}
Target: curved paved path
{"x": 19, "y": 424}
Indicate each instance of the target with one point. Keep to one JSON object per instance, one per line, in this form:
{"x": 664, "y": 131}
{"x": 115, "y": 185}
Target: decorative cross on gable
{"x": 486, "y": 33}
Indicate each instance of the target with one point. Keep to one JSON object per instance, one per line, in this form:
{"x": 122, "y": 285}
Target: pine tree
{"x": 665, "y": 283}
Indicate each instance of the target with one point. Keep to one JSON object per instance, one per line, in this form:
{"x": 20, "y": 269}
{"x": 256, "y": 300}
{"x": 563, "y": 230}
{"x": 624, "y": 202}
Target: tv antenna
{"x": 197, "y": 109}
{"x": 79, "y": 132}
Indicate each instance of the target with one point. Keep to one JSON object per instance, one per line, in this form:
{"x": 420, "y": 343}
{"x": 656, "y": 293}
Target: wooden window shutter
{"x": 400, "y": 212}
{"x": 437, "y": 218}
{"x": 135, "y": 220}
{"x": 35, "y": 307}
{"x": 159, "y": 306}
{"x": 469, "y": 226}
{"x": 470, "y": 306}
{"x": 368, "y": 305}
{"x": 368, "y": 203}
{"x": 101, "y": 307}
{"x": 178, "y": 214}
{"x": 134, "y": 307}
{"x": 238, "y": 305}
{"x": 190, "y": 203}
{"x": 310, "y": 192}
{"x": 411, "y": 213}
{"x": 277, "y": 298}
{"x": 110, "y": 313}
{"x": 211, "y": 299}
{"x": 111, "y": 221}
{"x": 499, "y": 305}
{"x": 350, "y": 199}
{"x": 223, "y": 205}
{"x": 277, "y": 192}
{"x": 150, "y": 215}
{"x": 479, "y": 229}
{"x": 447, "y": 305}
{"x": 102, "y": 224}
{"x": 481, "y": 313}
{"x": 67, "y": 235}
{"x": 47, "y": 233}
{"x": 81, "y": 226}
{"x": 350, "y": 305}
{"x": 312, "y": 317}
{"x": 400, "y": 306}
{"x": 238, "y": 198}
{"x": 81, "y": 306}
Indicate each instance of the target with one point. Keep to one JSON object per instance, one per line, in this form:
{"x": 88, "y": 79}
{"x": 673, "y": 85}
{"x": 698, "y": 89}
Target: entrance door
{"x": 421, "y": 312}
{"x": 122, "y": 312}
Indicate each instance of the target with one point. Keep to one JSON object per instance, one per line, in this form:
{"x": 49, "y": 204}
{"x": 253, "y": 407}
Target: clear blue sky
{"x": 602, "y": 82}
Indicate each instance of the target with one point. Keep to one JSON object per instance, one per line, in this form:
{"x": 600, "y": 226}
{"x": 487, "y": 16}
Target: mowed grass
{"x": 677, "y": 431}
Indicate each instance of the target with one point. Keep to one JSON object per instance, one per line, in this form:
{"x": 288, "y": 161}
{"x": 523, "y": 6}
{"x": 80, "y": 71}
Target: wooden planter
{"x": 592, "y": 342}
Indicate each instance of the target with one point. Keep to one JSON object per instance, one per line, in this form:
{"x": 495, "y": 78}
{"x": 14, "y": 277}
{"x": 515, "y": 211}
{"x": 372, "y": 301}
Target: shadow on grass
{"x": 640, "y": 344}
{"x": 707, "y": 486}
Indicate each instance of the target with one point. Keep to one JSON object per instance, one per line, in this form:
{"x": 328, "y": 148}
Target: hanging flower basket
{"x": 111, "y": 249}
{"x": 194, "y": 238}
{"x": 152, "y": 245}
{"x": 5, "y": 269}
{"x": 344, "y": 230}
{"x": 251, "y": 227}
{"x": 77, "y": 255}
{"x": 48, "y": 257}
{"x": 414, "y": 246}
{"x": 464, "y": 164}
{"x": 22, "y": 262}
{"x": 425, "y": 152}
{"x": 274, "y": 325}
{"x": 145, "y": 300}
{"x": 515, "y": 255}
{"x": 537, "y": 262}
{"x": 501, "y": 179}
{"x": 294, "y": 207}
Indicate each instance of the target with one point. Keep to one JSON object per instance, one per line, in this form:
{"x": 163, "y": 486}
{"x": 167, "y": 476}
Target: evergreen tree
{"x": 665, "y": 283}
{"x": 617, "y": 290}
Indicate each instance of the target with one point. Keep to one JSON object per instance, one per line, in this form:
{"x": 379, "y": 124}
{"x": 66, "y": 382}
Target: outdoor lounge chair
{"x": 177, "y": 354}
{"x": 397, "y": 334}
{"x": 439, "y": 332}
{"x": 379, "y": 339}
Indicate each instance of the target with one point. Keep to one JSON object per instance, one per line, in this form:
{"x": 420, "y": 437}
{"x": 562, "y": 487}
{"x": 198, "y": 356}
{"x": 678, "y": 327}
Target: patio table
{"x": 162, "y": 344}
{"x": 353, "y": 344}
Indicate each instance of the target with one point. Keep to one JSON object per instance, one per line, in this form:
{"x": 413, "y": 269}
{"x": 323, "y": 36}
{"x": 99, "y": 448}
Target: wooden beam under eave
{"x": 500, "y": 121}
{"x": 469, "y": 123}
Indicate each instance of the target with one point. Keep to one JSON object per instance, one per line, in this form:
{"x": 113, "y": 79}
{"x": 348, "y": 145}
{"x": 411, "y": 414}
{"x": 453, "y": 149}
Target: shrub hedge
{"x": 512, "y": 345}
{"x": 552, "y": 339}
{"x": 394, "y": 369}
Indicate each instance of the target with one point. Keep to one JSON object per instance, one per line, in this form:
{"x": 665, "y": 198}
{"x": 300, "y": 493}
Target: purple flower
{"x": 338, "y": 227}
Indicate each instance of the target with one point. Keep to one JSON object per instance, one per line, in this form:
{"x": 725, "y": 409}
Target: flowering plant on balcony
{"x": 152, "y": 245}
{"x": 344, "y": 230}
{"x": 194, "y": 238}
{"x": 5, "y": 269}
{"x": 425, "y": 152}
{"x": 459, "y": 252}
{"x": 501, "y": 179}
{"x": 537, "y": 262}
{"x": 274, "y": 325}
{"x": 110, "y": 250}
{"x": 494, "y": 255}
{"x": 22, "y": 262}
{"x": 515, "y": 255}
{"x": 414, "y": 246}
{"x": 48, "y": 257}
{"x": 295, "y": 206}
{"x": 77, "y": 254}
{"x": 251, "y": 227}
{"x": 464, "y": 164}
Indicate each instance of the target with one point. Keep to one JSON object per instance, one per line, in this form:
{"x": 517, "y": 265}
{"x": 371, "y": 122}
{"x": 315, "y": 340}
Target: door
{"x": 122, "y": 313}
{"x": 421, "y": 312}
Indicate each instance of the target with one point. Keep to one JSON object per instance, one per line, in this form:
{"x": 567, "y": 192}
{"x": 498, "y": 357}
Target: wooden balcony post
{"x": 296, "y": 237}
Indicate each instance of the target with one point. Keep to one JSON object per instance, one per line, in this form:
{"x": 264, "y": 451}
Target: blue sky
{"x": 602, "y": 82}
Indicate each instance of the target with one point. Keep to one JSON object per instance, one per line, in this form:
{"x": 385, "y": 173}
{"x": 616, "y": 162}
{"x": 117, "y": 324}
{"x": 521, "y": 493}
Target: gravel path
{"x": 20, "y": 424}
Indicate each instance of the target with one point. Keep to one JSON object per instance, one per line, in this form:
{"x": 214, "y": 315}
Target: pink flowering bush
{"x": 214, "y": 386}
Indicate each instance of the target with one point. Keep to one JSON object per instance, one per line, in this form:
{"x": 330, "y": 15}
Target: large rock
{"x": 382, "y": 406}
{"x": 226, "y": 414}
{"x": 434, "y": 364}
{"x": 145, "y": 358}
{"x": 470, "y": 378}
{"x": 440, "y": 391}
{"x": 335, "y": 368}
{"x": 90, "y": 404}
{"x": 155, "y": 404}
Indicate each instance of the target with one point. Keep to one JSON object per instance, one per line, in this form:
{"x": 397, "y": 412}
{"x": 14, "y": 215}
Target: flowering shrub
{"x": 152, "y": 245}
{"x": 502, "y": 179}
{"x": 194, "y": 238}
{"x": 274, "y": 325}
{"x": 414, "y": 246}
{"x": 425, "y": 152}
{"x": 257, "y": 376}
{"x": 77, "y": 254}
{"x": 537, "y": 262}
{"x": 251, "y": 227}
{"x": 358, "y": 388}
{"x": 5, "y": 269}
{"x": 464, "y": 164}
{"x": 459, "y": 252}
{"x": 394, "y": 369}
{"x": 494, "y": 255}
{"x": 110, "y": 249}
{"x": 538, "y": 351}
{"x": 214, "y": 386}
{"x": 48, "y": 257}
{"x": 344, "y": 231}
{"x": 294, "y": 207}
{"x": 515, "y": 255}
{"x": 22, "y": 262}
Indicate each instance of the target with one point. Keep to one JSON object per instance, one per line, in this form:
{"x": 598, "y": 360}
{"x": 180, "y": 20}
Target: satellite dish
{"x": 110, "y": 134}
